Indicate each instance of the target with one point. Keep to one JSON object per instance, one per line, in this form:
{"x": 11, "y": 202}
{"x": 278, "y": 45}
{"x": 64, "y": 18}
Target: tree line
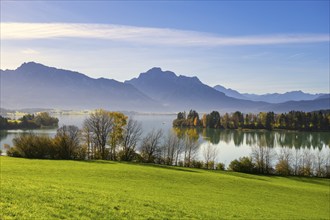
{"x": 109, "y": 136}
{"x": 113, "y": 136}
{"x": 288, "y": 162}
{"x": 29, "y": 121}
{"x": 294, "y": 120}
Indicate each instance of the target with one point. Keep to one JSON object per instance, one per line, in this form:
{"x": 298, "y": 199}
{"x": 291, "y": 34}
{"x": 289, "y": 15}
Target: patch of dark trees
{"x": 294, "y": 120}
{"x": 29, "y": 121}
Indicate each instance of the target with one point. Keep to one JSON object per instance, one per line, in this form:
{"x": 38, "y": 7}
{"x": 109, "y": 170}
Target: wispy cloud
{"x": 29, "y": 51}
{"x": 144, "y": 35}
{"x": 296, "y": 56}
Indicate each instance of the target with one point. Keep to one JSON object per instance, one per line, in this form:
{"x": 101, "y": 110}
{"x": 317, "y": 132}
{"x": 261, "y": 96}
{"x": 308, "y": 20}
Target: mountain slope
{"x": 181, "y": 92}
{"x": 36, "y": 85}
{"x": 230, "y": 92}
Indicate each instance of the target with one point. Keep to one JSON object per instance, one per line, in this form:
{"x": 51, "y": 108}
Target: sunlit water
{"x": 230, "y": 144}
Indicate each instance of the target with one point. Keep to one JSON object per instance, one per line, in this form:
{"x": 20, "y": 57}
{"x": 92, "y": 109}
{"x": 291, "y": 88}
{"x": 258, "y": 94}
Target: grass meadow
{"x": 53, "y": 189}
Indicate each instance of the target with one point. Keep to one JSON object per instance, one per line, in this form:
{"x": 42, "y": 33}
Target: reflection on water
{"x": 267, "y": 138}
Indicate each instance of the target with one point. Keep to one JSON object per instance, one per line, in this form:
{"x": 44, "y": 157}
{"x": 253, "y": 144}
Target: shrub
{"x": 220, "y": 166}
{"x": 13, "y": 152}
{"x": 81, "y": 153}
{"x": 34, "y": 146}
{"x": 209, "y": 165}
{"x": 283, "y": 168}
{"x": 243, "y": 164}
{"x": 196, "y": 164}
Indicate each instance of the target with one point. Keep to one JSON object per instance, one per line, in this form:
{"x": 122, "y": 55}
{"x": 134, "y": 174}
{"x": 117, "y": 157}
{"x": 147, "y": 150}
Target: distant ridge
{"x": 33, "y": 85}
{"x": 270, "y": 97}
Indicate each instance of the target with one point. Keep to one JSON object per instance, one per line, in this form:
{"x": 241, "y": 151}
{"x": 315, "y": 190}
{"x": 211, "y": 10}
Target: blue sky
{"x": 251, "y": 46}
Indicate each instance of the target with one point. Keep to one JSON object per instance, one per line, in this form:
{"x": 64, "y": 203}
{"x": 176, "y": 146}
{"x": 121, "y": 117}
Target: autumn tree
{"x": 191, "y": 146}
{"x": 116, "y": 133}
{"x": 283, "y": 165}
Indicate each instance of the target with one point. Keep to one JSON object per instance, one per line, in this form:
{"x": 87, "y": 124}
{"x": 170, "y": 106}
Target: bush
{"x": 81, "y": 153}
{"x": 209, "y": 165}
{"x": 243, "y": 164}
{"x": 220, "y": 166}
{"x": 283, "y": 168}
{"x": 196, "y": 164}
{"x": 13, "y": 152}
{"x": 34, "y": 146}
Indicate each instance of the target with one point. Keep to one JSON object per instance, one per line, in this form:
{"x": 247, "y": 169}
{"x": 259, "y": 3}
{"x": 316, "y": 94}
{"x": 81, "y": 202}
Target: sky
{"x": 250, "y": 46}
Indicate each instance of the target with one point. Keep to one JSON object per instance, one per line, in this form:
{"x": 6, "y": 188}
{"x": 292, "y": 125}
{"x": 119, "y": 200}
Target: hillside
{"x": 44, "y": 189}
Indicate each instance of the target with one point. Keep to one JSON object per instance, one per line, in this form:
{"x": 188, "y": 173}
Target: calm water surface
{"x": 230, "y": 144}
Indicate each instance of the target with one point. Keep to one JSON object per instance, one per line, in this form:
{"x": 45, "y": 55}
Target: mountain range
{"x": 34, "y": 85}
{"x": 270, "y": 97}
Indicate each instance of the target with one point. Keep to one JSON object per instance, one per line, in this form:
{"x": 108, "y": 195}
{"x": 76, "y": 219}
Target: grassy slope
{"x": 80, "y": 190}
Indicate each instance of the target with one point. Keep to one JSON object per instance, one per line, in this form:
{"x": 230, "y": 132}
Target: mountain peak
{"x": 155, "y": 70}
{"x": 32, "y": 67}
{"x": 159, "y": 71}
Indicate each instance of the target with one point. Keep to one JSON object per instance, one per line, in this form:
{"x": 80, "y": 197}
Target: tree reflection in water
{"x": 290, "y": 139}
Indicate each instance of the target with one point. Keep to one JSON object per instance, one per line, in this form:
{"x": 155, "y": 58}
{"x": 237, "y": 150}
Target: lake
{"x": 230, "y": 144}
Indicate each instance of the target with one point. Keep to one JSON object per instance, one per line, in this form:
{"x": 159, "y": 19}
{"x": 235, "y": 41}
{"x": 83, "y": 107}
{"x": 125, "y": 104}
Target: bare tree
{"x": 263, "y": 157}
{"x": 306, "y": 163}
{"x": 87, "y": 137}
{"x": 191, "y": 146}
{"x": 296, "y": 161}
{"x": 171, "y": 149}
{"x": 210, "y": 153}
{"x": 100, "y": 124}
{"x": 131, "y": 135}
{"x": 320, "y": 164}
{"x": 150, "y": 147}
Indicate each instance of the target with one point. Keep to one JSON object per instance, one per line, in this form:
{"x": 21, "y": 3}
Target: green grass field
{"x": 45, "y": 189}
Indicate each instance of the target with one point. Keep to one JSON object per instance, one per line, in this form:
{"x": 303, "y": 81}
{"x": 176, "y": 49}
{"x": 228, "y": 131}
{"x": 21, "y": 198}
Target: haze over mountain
{"x": 182, "y": 92}
{"x": 270, "y": 97}
{"x": 34, "y": 85}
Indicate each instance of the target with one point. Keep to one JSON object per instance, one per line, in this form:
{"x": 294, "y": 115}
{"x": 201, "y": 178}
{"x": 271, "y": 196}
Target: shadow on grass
{"x": 182, "y": 169}
{"x": 175, "y": 168}
{"x": 98, "y": 161}
{"x": 311, "y": 180}
{"x": 247, "y": 175}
